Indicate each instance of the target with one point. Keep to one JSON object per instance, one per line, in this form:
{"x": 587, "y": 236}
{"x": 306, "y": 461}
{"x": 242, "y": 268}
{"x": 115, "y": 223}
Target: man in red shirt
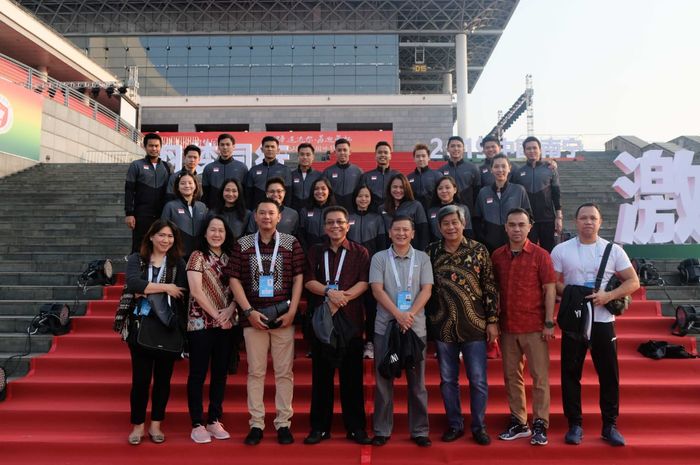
{"x": 527, "y": 287}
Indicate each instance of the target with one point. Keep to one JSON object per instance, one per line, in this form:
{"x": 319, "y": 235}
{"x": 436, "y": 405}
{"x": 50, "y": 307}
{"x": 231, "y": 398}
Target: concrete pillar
{"x": 462, "y": 84}
{"x": 447, "y": 83}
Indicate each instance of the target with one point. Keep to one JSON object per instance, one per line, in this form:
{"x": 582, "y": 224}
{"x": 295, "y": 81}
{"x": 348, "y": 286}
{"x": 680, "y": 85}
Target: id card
{"x": 403, "y": 301}
{"x": 267, "y": 286}
{"x": 332, "y": 287}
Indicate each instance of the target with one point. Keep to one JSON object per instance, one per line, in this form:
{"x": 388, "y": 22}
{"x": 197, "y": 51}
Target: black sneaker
{"x": 284, "y": 436}
{"x": 539, "y": 433}
{"x": 254, "y": 437}
{"x": 515, "y": 430}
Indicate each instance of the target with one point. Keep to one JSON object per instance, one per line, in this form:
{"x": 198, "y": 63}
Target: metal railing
{"x": 108, "y": 157}
{"x": 22, "y": 75}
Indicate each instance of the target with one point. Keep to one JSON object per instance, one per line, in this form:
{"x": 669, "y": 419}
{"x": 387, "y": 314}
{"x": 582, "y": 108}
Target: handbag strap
{"x": 603, "y": 264}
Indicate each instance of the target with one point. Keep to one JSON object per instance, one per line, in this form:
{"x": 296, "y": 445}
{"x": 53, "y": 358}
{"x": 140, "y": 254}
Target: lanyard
{"x": 396, "y": 273}
{"x": 340, "y": 267}
{"x": 160, "y": 272}
{"x": 274, "y": 253}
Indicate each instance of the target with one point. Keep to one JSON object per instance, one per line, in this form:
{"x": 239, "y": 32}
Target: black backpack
{"x": 661, "y": 349}
{"x": 690, "y": 271}
{"x": 647, "y": 272}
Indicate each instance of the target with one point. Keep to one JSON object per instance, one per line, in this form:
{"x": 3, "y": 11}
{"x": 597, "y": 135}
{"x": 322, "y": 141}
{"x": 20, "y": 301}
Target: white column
{"x": 462, "y": 84}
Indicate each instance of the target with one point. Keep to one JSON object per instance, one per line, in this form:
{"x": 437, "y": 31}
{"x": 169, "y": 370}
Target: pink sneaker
{"x": 217, "y": 430}
{"x": 200, "y": 435}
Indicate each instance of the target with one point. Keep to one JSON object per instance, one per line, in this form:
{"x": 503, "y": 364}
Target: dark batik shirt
{"x": 465, "y": 296}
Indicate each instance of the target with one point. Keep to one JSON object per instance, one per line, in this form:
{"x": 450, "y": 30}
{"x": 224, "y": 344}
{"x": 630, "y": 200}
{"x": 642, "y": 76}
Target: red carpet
{"x": 73, "y": 409}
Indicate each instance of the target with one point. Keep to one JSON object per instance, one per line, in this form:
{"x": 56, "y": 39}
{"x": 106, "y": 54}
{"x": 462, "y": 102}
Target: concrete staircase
{"x": 56, "y": 219}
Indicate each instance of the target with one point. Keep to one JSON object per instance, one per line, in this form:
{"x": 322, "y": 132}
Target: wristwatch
{"x": 549, "y": 324}
{"x": 247, "y": 312}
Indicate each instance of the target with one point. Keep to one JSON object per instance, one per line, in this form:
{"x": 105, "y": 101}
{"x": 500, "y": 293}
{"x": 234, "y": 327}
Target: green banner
{"x": 20, "y": 121}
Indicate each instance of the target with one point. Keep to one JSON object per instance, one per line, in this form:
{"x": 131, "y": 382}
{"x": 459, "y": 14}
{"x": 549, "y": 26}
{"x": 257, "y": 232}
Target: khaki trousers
{"x": 280, "y": 343}
{"x": 536, "y": 350}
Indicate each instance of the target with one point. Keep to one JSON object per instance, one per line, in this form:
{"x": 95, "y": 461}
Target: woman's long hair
{"x": 173, "y": 254}
{"x": 312, "y": 203}
{"x": 239, "y": 204}
{"x": 203, "y": 245}
{"x": 389, "y": 206}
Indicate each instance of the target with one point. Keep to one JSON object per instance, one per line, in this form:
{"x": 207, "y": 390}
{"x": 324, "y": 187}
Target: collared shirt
{"x": 243, "y": 266}
{"x": 520, "y": 279}
{"x": 465, "y": 295}
{"x": 382, "y": 272}
{"x": 355, "y": 269}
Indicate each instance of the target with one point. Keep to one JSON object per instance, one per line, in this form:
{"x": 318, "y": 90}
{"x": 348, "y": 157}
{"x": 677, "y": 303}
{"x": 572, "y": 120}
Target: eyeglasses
{"x": 334, "y": 222}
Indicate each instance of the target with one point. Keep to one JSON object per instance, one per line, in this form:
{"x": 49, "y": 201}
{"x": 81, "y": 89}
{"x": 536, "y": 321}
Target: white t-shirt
{"x": 579, "y": 265}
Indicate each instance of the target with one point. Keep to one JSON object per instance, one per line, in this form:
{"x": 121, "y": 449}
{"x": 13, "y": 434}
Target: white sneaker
{"x": 369, "y": 351}
{"x": 217, "y": 430}
{"x": 200, "y": 435}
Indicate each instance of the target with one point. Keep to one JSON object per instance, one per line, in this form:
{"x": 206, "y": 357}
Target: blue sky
{"x": 600, "y": 69}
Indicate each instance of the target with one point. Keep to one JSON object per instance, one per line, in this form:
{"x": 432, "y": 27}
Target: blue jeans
{"x": 474, "y": 354}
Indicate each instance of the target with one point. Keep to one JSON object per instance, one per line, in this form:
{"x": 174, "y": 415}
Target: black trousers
{"x": 147, "y": 364}
{"x": 139, "y": 232}
{"x": 208, "y": 347}
{"x": 352, "y": 399}
{"x": 603, "y": 346}
{"x": 542, "y": 233}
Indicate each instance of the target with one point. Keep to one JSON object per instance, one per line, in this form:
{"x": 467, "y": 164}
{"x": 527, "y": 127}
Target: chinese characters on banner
{"x": 551, "y": 148}
{"x": 249, "y": 151}
{"x": 665, "y": 193}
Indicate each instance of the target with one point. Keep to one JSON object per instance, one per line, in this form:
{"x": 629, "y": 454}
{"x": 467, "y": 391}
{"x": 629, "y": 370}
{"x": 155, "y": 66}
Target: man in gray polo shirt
{"x": 402, "y": 280}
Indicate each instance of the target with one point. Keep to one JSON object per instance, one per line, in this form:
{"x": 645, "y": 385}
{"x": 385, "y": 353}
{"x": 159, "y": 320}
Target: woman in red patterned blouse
{"x": 210, "y": 319}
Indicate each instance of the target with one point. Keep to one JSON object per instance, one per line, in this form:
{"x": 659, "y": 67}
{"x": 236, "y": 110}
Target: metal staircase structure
{"x": 522, "y": 105}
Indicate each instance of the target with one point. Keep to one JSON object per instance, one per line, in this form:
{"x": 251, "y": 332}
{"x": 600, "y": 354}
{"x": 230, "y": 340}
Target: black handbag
{"x": 162, "y": 307}
{"x": 575, "y": 315}
{"x": 616, "y": 306}
{"x": 273, "y": 312}
{"x": 151, "y": 333}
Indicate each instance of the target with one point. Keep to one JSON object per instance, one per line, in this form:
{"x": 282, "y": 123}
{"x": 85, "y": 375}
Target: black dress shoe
{"x": 316, "y": 436}
{"x": 422, "y": 441}
{"x": 380, "y": 440}
{"x": 359, "y": 437}
{"x": 254, "y": 437}
{"x": 284, "y": 436}
{"x": 481, "y": 437}
{"x": 452, "y": 434}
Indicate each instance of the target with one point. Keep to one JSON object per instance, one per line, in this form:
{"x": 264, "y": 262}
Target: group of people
{"x": 400, "y": 260}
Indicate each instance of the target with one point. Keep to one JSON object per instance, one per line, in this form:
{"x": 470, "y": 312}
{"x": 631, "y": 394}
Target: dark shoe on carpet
{"x": 452, "y": 434}
{"x": 613, "y": 436}
{"x": 481, "y": 437}
{"x": 574, "y": 436}
{"x": 422, "y": 441}
{"x": 254, "y": 437}
{"x": 359, "y": 437}
{"x": 284, "y": 436}
{"x": 316, "y": 436}
{"x": 515, "y": 430}
{"x": 539, "y": 433}
{"x": 380, "y": 440}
